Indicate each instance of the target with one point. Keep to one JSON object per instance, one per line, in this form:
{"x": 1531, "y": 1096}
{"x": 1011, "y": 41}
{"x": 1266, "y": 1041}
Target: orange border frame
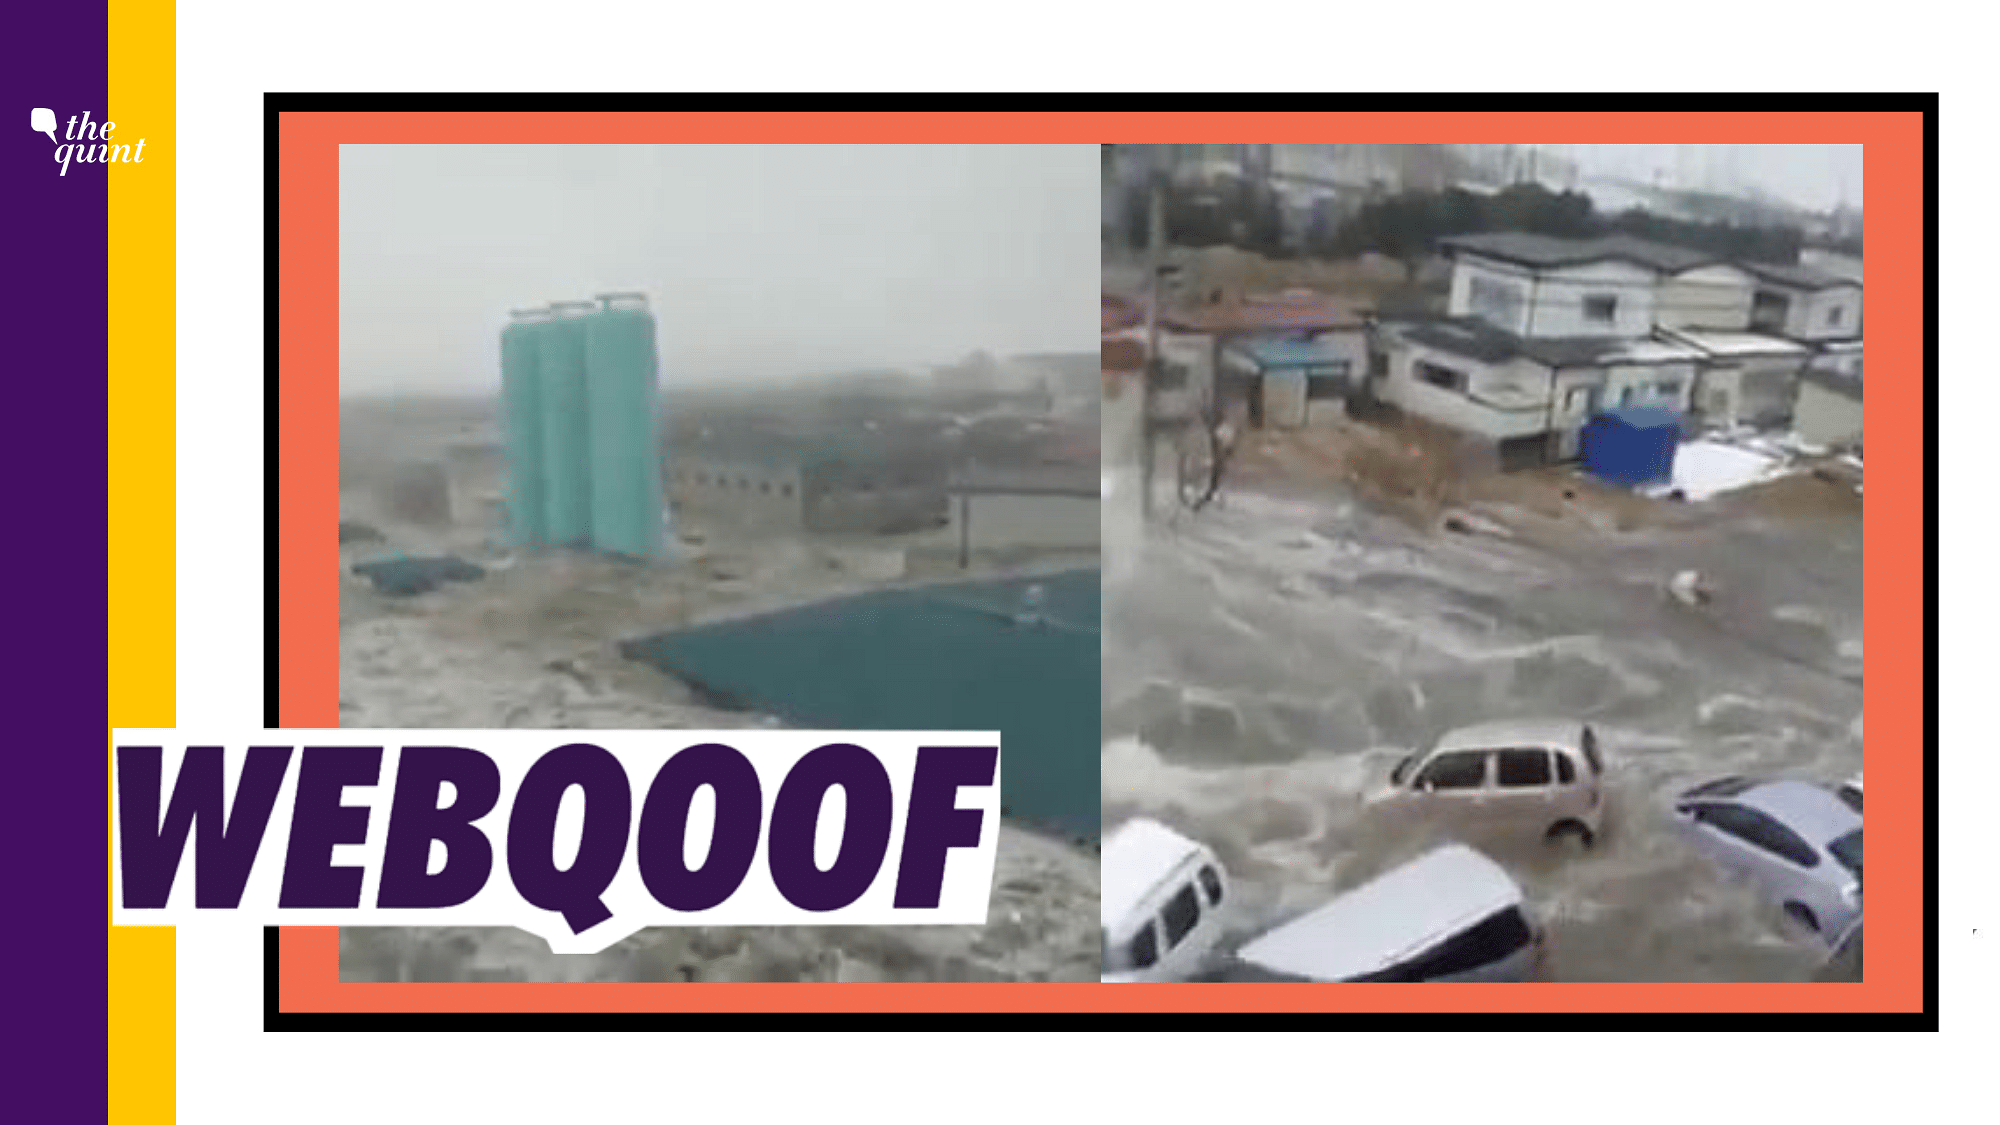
{"x": 1894, "y": 538}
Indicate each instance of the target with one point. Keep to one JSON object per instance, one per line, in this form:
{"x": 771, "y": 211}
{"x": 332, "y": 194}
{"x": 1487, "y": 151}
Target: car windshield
{"x": 1402, "y": 771}
{"x": 1847, "y": 850}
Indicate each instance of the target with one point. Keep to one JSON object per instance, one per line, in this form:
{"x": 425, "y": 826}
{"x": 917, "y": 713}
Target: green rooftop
{"x": 962, "y": 656}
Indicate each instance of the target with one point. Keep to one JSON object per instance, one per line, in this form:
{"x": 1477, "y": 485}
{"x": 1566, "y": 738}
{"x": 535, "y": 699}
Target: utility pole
{"x": 1156, "y": 237}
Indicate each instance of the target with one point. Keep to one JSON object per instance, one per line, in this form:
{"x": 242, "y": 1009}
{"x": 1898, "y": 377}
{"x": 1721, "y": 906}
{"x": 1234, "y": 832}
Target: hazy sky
{"x": 1810, "y": 175}
{"x": 760, "y": 260}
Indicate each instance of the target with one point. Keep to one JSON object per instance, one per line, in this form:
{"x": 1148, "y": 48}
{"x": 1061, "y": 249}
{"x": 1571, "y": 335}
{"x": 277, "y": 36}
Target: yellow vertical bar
{"x": 141, "y": 346}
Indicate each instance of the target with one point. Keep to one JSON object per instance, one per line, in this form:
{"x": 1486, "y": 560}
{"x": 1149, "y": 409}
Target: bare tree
{"x": 1206, "y": 446}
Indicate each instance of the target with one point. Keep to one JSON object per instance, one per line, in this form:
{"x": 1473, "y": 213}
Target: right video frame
{"x": 1482, "y": 563}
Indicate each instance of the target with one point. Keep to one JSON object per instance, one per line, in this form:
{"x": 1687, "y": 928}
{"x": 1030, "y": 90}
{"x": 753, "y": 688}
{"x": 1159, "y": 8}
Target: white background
{"x": 230, "y": 53}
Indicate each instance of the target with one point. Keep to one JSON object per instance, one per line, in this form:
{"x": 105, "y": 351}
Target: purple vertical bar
{"x": 54, "y": 818}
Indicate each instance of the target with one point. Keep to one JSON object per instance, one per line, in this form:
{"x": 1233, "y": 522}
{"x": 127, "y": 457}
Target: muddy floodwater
{"x": 532, "y": 645}
{"x": 1267, "y": 662}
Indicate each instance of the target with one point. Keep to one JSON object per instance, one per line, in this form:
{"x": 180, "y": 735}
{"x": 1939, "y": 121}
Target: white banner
{"x": 580, "y": 837}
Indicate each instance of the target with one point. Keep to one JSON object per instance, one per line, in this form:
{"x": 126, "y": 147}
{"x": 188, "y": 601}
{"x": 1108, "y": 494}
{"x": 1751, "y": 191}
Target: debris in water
{"x": 1687, "y": 588}
{"x": 409, "y": 576}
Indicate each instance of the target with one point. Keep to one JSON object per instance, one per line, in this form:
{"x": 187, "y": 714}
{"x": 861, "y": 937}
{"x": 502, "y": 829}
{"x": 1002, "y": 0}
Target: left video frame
{"x": 726, "y": 437}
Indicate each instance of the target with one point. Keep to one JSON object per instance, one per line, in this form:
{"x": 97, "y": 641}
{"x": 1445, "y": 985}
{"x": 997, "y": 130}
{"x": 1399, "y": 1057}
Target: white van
{"x": 1160, "y": 906}
{"x": 1452, "y": 915}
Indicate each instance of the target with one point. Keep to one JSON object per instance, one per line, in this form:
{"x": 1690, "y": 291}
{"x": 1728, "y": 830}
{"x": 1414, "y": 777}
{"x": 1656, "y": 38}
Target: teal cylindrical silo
{"x": 521, "y": 428}
{"x": 627, "y": 497}
{"x": 565, "y": 418}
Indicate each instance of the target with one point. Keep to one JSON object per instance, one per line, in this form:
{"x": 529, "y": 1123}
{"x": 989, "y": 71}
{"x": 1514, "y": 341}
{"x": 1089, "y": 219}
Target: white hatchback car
{"x": 1452, "y": 915}
{"x": 1160, "y": 906}
{"x": 1543, "y": 777}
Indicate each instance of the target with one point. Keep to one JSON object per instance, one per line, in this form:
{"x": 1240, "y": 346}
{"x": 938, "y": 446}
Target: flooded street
{"x": 1268, "y": 661}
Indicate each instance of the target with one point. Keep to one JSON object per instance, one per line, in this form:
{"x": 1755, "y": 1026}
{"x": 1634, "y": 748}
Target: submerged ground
{"x": 532, "y": 645}
{"x": 1267, "y": 661}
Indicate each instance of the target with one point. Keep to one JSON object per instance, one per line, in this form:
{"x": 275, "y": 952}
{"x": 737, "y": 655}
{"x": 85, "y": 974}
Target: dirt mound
{"x": 1415, "y": 470}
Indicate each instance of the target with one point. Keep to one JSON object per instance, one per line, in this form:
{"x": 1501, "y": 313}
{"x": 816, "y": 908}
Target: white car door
{"x": 1454, "y": 788}
{"x": 1746, "y": 845}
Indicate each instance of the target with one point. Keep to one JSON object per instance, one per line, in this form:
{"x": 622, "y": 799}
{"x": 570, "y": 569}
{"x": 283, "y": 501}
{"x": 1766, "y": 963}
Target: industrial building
{"x": 1054, "y": 509}
{"x": 775, "y": 482}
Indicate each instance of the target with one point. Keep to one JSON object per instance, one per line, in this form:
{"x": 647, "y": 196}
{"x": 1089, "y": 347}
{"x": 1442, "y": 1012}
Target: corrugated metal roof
{"x": 950, "y": 657}
{"x": 1475, "y": 339}
{"x": 1541, "y": 251}
{"x": 1798, "y": 277}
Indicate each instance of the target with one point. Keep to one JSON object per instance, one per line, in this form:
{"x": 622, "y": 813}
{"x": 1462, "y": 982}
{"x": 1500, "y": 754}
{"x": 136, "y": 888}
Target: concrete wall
{"x": 1828, "y": 314}
{"x": 1770, "y": 388}
{"x": 1553, "y": 302}
{"x": 1462, "y": 411}
{"x": 884, "y": 509}
{"x": 999, "y": 522}
{"x": 1823, "y": 314}
{"x": 1669, "y": 385}
{"x": 1846, "y": 362}
{"x": 1718, "y": 400}
{"x": 1284, "y": 399}
{"x": 738, "y": 491}
{"x": 1824, "y": 416}
{"x": 1716, "y": 297}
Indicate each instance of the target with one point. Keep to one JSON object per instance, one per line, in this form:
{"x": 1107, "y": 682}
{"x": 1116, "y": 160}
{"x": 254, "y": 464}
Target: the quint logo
{"x": 86, "y": 143}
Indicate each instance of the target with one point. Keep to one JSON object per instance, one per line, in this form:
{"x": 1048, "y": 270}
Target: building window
{"x": 1439, "y": 376}
{"x": 1833, "y": 316}
{"x": 785, "y": 490}
{"x": 1600, "y": 308}
{"x": 1768, "y": 310}
{"x": 1492, "y": 300}
{"x": 764, "y": 487}
{"x": 1668, "y": 388}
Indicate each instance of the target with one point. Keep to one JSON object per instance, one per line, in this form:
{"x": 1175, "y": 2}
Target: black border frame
{"x": 275, "y": 1019}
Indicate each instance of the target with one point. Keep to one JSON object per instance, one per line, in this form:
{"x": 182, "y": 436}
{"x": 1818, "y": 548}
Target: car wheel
{"x": 1564, "y": 832}
{"x": 1802, "y": 915}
